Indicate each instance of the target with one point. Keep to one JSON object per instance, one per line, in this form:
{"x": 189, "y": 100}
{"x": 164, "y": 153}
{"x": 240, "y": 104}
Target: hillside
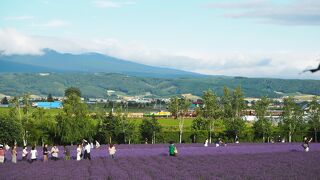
{"x": 96, "y": 84}
{"x": 52, "y": 61}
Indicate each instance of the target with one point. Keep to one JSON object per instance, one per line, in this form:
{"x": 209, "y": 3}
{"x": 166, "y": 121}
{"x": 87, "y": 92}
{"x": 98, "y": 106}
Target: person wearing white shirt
{"x": 54, "y": 153}
{"x": 206, "y": 143}
{"x": 24, "y": 153}
{"x": 34, "y": 154}
{"x": 112, "y": 150}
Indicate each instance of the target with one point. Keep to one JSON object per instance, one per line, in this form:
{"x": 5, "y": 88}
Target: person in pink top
{"x": 2, "y": 154}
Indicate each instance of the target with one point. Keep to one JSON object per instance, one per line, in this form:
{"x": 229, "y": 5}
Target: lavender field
{"x": 235, "y": 161}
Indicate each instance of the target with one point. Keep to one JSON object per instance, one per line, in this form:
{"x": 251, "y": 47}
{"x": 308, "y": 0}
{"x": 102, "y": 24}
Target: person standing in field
{"x": 97, "y": 144}
{"x": 87, "y": 151}
{"x": 34, "y": 154}
{"x": 45, "y": 153}
{"x": 112, "y": 150}
{"x": 79, "y": 152}
{"x": 54, "y": 153}
{"x": 2, "y": 154}
{"x": 66, "y": 153}
{"x": 24, "y": 153}
{"x": 305, "y": 144}
{"x": 14, "y": 154}
{"x": 206, "y": 143}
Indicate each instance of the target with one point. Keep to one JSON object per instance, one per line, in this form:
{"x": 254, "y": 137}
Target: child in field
{"x": 79, "y": 152}
{"x": 112, "y": 150}
{"x": 14, "y": 154}
{"x": 24, "y": 153}
{"x": 54, "y": 153}
{"x": 34, "y": 154}
{"x": 2, "y": 154}
{"x": 305, "y": 144}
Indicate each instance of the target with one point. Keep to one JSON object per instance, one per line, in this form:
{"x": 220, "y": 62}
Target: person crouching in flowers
{"x": 305, "y": 144}
{"x": 172, "y": 149}
{"x": 54, "y": 153}
{"x": 112, "y": 150}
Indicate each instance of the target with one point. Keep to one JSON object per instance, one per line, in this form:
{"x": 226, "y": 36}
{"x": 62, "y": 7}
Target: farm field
{"x": 235, "y": 161}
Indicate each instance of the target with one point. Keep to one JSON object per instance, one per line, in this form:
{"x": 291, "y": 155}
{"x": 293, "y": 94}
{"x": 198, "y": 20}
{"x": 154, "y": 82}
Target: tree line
{"x": 217, "y": 117}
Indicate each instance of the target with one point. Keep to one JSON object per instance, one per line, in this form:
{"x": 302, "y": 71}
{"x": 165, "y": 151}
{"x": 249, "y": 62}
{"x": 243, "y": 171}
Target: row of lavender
{"x": 272, "y": 165}
{"x": 183, "y": 149}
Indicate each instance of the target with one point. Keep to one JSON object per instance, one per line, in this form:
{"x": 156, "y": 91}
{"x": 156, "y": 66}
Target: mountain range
{"x": 53, "y": 61}
{"x": 94, "y": 74}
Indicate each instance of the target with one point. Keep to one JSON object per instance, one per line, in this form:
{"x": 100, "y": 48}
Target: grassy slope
{"x": 95, "y": 85}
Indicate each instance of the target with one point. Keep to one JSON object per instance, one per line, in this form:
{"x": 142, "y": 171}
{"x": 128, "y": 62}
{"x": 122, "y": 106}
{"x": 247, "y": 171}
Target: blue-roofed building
{"x": 48, "y": 105}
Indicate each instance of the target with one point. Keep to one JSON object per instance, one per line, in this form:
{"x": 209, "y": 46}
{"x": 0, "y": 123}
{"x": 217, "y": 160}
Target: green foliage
{"x": 232, "y": 107}
{"x": 95, "y": 85}
{"x": 72, "y": 90}
{"x": 74, "y": 124}
{"x": 149, "y": 128}
{"x": 314, "y": 117}
{"x": 291, "y": 120}
{"x": 262, "y": 127}
{"x": 11, "y": 130}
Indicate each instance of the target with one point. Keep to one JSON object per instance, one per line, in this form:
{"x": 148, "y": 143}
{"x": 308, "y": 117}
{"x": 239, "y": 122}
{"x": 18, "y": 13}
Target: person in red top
{"x": 2, "y": 153}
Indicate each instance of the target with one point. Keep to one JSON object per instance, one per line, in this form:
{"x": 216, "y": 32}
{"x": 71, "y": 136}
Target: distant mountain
{"x": 52, "y": 61}
{"x": 97, "y": 84}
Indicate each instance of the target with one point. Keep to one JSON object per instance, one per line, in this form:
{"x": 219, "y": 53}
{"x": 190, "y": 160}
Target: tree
{"x": 232, "y": 108}
{"x": 149, "y": 128}
{"x": 72, "y": 90}
{"x": 173, "y": 107}
{"x": 198, "y": 124}
{"x": 262, "y": 127}
{"x": 11, "y": 130}
{"x": 211, "y": 110}
{"x": 125, "y": 128}
{"x": 314, "y": 116}
{"x": 183, "y": 106}
{"x": 42, "y": 127}
{"x": 179, "y": 108}
{"x": 4, "y": 100}
{"x": 50, "y": 98}
{"x": 73, "y": 123}
{"x": 291, "y": 119}
{"x": 22, "y": 115}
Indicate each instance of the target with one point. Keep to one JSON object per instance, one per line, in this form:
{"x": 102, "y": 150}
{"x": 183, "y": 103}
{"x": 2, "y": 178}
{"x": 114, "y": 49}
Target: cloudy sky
{"x": 254, "y": 38}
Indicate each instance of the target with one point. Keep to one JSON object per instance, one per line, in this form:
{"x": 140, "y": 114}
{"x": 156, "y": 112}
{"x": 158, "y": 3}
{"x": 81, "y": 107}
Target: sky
{"x": 252, "y": 38}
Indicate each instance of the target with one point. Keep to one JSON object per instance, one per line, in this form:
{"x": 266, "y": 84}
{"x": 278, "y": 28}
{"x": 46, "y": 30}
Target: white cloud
{"x": 111, "y": 4}
{"x": 253, "y": 64}
{"x": 14, "y": 42}
{"x": 294, "y": 12}
{"x": 57, "y": 23}
{"x": 18, "y": 18}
